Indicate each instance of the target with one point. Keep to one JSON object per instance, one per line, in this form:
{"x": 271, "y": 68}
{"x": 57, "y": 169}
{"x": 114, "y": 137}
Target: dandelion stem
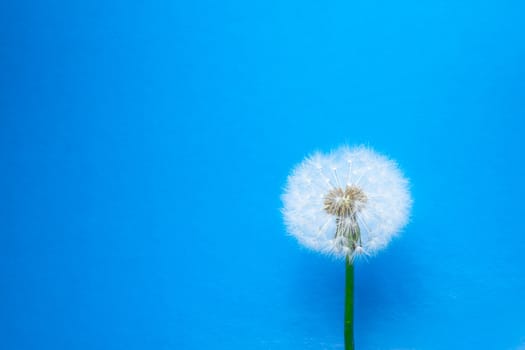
{"x": 349, "y": 305}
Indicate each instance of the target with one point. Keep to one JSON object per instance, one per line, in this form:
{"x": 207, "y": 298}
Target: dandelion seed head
{"x": 342, "y": 190}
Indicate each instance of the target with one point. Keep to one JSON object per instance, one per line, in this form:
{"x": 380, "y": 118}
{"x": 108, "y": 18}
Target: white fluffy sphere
{"x": 384, "y": 214}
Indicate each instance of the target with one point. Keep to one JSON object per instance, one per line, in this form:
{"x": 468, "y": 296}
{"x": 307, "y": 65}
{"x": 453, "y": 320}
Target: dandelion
{"x": 349, "y": 203}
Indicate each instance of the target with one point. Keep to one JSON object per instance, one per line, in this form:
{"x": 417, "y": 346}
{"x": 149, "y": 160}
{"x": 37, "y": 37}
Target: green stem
{"x": 349, "y": 305}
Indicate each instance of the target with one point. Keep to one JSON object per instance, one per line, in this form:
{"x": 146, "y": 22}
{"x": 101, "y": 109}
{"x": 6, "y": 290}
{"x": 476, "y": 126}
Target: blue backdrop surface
{"x": 144, "y": 147}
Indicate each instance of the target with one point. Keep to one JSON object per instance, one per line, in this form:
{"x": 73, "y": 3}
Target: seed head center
{"x": 344, "y": 203}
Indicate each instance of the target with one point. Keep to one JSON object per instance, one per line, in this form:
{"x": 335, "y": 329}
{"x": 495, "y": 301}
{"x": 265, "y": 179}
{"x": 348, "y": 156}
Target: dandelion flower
{"x": 348, "y": 203}
{"x": 329, "y": 196}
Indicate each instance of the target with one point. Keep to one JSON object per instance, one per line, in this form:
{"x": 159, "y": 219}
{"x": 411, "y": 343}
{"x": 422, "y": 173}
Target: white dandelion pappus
{"x": 350, "y": 202}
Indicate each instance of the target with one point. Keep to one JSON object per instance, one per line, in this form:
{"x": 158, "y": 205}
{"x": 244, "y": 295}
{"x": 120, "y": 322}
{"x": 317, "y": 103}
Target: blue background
{"x": 144, "y": 146}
